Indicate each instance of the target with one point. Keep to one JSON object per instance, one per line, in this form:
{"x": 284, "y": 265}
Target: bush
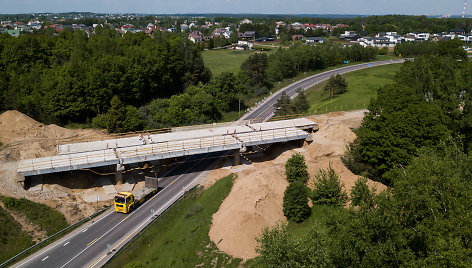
{"x": 100, "y": 121}
{"x": 296, "y": 169}
{"x": 328, "y": 189}
{"x": 295, "y": 202}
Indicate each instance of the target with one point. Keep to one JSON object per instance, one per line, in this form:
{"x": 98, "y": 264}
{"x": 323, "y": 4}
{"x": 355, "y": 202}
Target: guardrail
{"x": 52, "y": 236}
{"x": 65, "y": 160}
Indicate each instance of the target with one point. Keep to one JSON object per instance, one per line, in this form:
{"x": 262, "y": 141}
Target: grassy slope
{"x": 45, "y": 217}
{"x": 362, "y": 87}
{"x": 180, "y": 237}
{"x": 13, "y": 240}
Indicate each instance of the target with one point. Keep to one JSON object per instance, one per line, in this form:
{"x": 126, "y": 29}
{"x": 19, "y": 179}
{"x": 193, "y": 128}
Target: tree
{"x": 224, "y": 89}
{"x": 133, "y": 120}
{"x": 328, "y": 189}
{"x": 115, "y": 115}
{"x": 282, "y": 106}
{"x": 410, "y": 122}
{"x": 421, "y": 221}
{"x": 361, "y": 195}
{"x": 255, "y": 68}
{"x": 300, "y": 104}
{"x": 336, "y": 85}
{"x": 296, "y": 169}
{"x": 295, "y": 202}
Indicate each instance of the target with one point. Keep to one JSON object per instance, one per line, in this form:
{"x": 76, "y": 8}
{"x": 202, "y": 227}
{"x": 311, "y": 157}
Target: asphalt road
{"x": 94, "y": 243}
{"x": 265, "y": 110}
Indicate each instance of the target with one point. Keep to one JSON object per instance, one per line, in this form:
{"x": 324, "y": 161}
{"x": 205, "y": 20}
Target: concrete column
{"x": 119, "y": 174}
{"x": 236, "y": 157}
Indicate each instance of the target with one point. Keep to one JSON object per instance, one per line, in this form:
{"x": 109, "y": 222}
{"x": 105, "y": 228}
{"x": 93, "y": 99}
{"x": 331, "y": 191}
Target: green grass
{"x": 224, "y": 60}
{"x": 45, "y": 217}
{"x": 180, "y": 237}
{"x": 13, "y": 240}
{"x": 362, "y": 87}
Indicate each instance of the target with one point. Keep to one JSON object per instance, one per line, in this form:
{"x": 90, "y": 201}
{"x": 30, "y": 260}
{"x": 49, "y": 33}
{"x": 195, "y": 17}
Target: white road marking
{"x": 66, "y": 244}
{"x": 55, "y": 245}
{"x": 45, "y": 258}
{"x": 137, "y": 228}
{"x": 84, "y": 230}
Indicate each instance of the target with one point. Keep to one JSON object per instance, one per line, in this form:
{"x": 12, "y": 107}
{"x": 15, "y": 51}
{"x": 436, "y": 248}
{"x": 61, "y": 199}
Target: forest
{"x": 135, "y": 82}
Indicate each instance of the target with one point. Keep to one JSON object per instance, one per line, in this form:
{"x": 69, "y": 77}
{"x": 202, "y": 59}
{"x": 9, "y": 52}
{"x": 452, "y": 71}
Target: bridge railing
{"x": 118, "y": 154}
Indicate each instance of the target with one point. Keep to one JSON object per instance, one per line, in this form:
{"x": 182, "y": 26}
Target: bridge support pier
{"x": 156, "y": 167}
{"x": 236, "y": 157}
{"x": 119, "y": 174}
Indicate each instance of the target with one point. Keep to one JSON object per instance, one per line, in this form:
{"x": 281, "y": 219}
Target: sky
{"x": 358, "y": 7}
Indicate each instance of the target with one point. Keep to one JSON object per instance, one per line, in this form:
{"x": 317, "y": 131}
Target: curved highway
{"x": 94, "y": 243}
{"x": 265, "y": 110}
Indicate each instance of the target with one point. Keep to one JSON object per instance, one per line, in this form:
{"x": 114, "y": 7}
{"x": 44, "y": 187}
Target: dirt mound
{"x": 27, "y": 138}
{"x": 16, "y": 127}
{"x": 330, "y": 140}
{"x": 255, "y": 201}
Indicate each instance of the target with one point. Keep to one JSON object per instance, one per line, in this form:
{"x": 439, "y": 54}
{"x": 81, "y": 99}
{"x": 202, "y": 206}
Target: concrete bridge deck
{"x": 167, "y": 145}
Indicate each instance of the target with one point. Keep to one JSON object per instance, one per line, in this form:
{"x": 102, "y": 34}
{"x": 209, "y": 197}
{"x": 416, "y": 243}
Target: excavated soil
{"x": 23, "y": 138}
{"x": 255, "y": 201}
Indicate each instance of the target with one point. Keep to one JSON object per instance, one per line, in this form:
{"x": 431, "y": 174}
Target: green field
{"x": 180, "y": 237}
{"x": 224, "y": 60}
{"x": 13, "y": 239}
{"x": 45, "y": 217}
{"x": 362, "y": 87}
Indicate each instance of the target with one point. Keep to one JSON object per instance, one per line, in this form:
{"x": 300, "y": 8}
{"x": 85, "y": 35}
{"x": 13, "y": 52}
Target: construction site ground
{"x": 255, "y": 202}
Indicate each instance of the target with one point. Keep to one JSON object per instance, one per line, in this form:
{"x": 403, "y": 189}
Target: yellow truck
{"x": 125, "y": 202}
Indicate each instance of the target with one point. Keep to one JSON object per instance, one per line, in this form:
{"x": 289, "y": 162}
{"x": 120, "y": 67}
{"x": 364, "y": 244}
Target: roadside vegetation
{"x": 43, "y": 216}
{"x": 179, "y": 238}
{"x": 422, "y": 219}
{"x": 13, "y": 239}
{"x": 362, "y": 86}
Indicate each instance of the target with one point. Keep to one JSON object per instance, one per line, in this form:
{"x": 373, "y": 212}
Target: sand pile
{"x": 24, "y": 138}
{"x": 255, "y": 201}
{"x": 16, "y": 127}
{"x": 27, "y": 138}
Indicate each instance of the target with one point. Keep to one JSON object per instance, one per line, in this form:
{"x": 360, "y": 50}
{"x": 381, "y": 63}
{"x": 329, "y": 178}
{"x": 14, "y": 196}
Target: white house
{"x": 313, "y": 40}
{"x": 244, "y": 43}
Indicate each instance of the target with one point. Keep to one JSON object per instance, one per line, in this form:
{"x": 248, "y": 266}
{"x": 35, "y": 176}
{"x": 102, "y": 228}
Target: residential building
{"x": 246, "y": 21}
{"x": 349, "y": 36}
{"x": 313, "y": 40}
{"x": 248, "y": 35}
{"x": 244, "y": 45}
{"x": 195, "y": 36}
